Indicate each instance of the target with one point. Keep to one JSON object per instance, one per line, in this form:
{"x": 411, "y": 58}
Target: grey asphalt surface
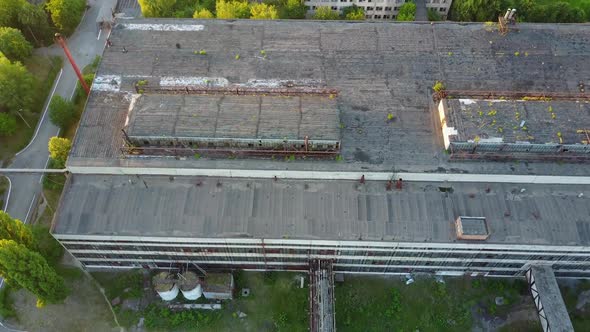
{"x": 84, "y": 45}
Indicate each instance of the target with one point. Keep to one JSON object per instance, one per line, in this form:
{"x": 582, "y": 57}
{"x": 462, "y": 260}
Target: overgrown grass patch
{"x": 276, "y": 303}
{"x": 580, "y": 317}
{"x": 125, "y": 285}
{"x": 380, "y": 303}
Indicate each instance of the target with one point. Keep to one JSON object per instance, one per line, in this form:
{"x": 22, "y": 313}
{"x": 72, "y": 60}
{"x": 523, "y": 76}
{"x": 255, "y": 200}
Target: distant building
{"x": 378, "y": 9}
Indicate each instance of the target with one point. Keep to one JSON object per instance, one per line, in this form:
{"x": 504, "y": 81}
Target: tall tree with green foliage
{"x": 232, "y": 9}
{"x": 34, "y": 24}
{"x": 17, "y": 86}
{"x": 203, "y": 13}
{"x": 15, "y": 230}
{"x": 157, "y": 8}
{"x": 13, "y": 44}
{"x": 61, "y": 111}
{"x": 29, "y": 270}
{"x": 8, "y": 12}
{"x": 353, "y": 12}
{"x": 325, "y": 13}
{"x": 407, "y": 12}
{"x": 262, "y": 11}
{"x": 66, "y": 14}
{"x": 293, "y": 9}
{"x": 59, "y": 148}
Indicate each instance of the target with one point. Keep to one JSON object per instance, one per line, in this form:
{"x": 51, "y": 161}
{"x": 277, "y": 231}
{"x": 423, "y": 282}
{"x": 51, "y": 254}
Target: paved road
{"x": 84, "y": 45}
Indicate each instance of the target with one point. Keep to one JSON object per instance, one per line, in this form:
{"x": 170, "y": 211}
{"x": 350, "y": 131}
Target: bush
{"x": 433, "y": 15}
{"x": 157, "y": 317}
{"x": 262, "y": 11}
{"x": 438, "y": 86}
{"x": 294, "y": 9}
{"x": 407, "y": 12}
{"x": 61, "y": 111}
{"x": 353, "y": 12}
{"x": 80, "y": 94}
{"x": 232, "y": 9}
{"x": 7, "y": 124}
{"x": 203, "y": 13}
{"x": 325, "y": 13}
{"x": 14, "y": 45}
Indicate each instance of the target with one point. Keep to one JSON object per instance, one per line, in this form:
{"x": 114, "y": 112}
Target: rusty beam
{"x": 524, "y": 95}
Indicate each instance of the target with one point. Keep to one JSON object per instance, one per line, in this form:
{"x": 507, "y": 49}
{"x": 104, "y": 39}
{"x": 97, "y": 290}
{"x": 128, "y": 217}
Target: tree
{"x": 66, "y": 14}
{"x": 407, "y": 12}
{"x": 262, "y": 11}
{"x": 294, "y": 9}
{"x": 30, "y": 270}
{"x": 61, "y": 111}
{"x": 157, "y": 8}
{"x": 203, "y": 13}
{"x": 13, "y": 44}
{"x": 7, "y": 124}
{"x": 15, "y": 230}
{"x": 8, "y": 12}
{"x": 325, "y": 13}
{"x": 33, "y": 20}
{"x": 59, "y": 148}
{"x": 232, "y": 9}
{"x": 17, "y": 86}
{"x": 353, "y": 12}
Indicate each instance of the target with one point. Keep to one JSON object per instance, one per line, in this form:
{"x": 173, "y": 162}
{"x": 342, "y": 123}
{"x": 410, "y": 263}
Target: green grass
{"x": 580, "y": 318}
{"x": 369, "y": 303}
{"x": 45, "y": 70}
{"x": 276, "y": 303}
{"x": 115, "y": 284}
{"x": 6, "y": 303}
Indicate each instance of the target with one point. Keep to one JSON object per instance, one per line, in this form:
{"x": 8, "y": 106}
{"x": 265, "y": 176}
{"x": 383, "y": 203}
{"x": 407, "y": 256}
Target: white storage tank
{"x": 165, "y": 285}
{"x": 190, "y": 285}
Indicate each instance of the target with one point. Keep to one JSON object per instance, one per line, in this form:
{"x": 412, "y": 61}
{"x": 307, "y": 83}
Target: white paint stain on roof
{"x": 107, "y": 83}
{"x": 467, "y": 101}
{"x": 273, "y": 83}
{"x": 192, "y": 81}
{"x": 164, "y": 27}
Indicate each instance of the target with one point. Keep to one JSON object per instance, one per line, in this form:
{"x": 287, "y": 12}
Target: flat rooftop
{"x": 330, "y": 210}
{"x": 518, "y": 121}
{"x": 381, "y": 69}
{"x": 238, "y": 117}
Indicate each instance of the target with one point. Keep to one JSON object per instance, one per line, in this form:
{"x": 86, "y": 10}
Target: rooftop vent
{"x": 472, "y": 228}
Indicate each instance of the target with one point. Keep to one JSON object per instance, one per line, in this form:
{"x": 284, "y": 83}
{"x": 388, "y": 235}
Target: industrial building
{"x": 292, "y": 151}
